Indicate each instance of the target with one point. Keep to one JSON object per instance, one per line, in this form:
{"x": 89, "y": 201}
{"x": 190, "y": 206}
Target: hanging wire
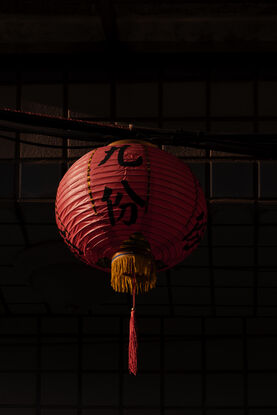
{"x": 259, "y": 145}
{"x": 256, "y": 149}
{"x": 37, "y": 144}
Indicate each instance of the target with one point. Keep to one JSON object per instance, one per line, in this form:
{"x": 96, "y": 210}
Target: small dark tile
{"x": 35, "y": 308}
{"x": 224, "y": 390}
{"x": 262, "y": 353}
{"x": 224, "y": 354}
{"x": 233, "y": 256}
{"x": 11, "y": 234}
{"x": 59, "y": 412}
{"x": 233, "y": 235}
{"x": 233, "y": 296}
{"x": 7, "y": 212}
{"x": 8, "y": 254}
{"x": 59, "y": 357}
{"x": 181, "y": 412}
{"x": 38, "y": 212}
{"x": 267, "y": 98}
{"x": 232, "y": 98}
{"x": 268, "y": 311}
{"x": 268, "y": 214}
{"x": 7, "y": 76}
{"x": 199, "y": 170}
{"x": 101, "y": 325}
{"x": 267, "y": 296}
{"x": 235, "y": 311}
{"x": 8, "y": 96}
{"x": 198, "y": 257}
{"x": 148, "y": 387}
{"x": 263, "y": 411}
{"x": 223, "y": 326}
{"x": 43, "y": 98}
{"x": 193, "y": 310}
{"x": 42, "y": 233}
{"x": 184, "y": 99}
{"x": 187, "y": 277}
{"x": 18, "y": 357}
{"x": 233, "y": 214}
{"x": 268, "y": 235}
{"x": 41, "y": 76}
{"x": 183, "y": 390}
{"x": 21, "y": 295}
{"x": 59, "y": 389}
{"x": 7, "y": 146}
{"x": 18, "y": 326}
{"x": 262, "y": 389}
{"x": 100, "y": 411}
{"x": 7, "y": 179}
{"x": 182, "y": 326}
{"x": 267, "y": 278}
{"x": 191, "y": 295}
{"x": 232, "y": 180}
{"x": 17, "y": 388}
{"x": 267, "y": 256}
{"x": 225, "y": 412}
{"x": 18, "y": 410}
{"x": 233, "y": 278}
{"x": 100, "y": 389}
{"x": 100, "y": 355}
{"x": 142, "y": 411}
{"x": 268, "y": 179}
{"x": 40, "y": 152}
{"x": 158, "y": 296}
{"x": 89, "y": 100}
{"x": 59, "y": 325}
{"x": 183, "y": 355}
{"x": 137, "y": 99}
{"x": 40, "y": 180}
{"x": 262, "y": 326}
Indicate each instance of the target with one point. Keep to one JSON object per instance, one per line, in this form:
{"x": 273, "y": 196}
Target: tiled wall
{"x": 57, "y": 365}
{"x": 207, "y": 334}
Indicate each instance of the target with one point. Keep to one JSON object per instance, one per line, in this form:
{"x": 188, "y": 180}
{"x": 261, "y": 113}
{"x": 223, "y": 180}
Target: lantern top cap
{"x": 127, "y": 141}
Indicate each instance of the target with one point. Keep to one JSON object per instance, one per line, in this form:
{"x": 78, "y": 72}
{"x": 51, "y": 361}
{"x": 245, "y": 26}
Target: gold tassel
{"x": 133, "y": 261}
{"x": 126, "y": 265}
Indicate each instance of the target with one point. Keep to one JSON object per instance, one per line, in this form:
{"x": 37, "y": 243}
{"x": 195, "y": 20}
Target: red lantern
{"x": 131, "y": 208}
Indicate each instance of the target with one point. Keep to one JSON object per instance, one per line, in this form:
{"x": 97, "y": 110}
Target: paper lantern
{"x": 131, "y": 209}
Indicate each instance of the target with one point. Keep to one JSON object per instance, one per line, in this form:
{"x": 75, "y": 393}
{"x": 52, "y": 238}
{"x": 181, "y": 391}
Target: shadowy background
{"x": 208, "y": 332}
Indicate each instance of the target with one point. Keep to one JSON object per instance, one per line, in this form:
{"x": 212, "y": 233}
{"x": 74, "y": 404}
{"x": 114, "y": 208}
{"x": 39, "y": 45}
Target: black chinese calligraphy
{"x": 134, "y": 163}
{"x": 196, "y": 234}
{"x": 131, "y": 206}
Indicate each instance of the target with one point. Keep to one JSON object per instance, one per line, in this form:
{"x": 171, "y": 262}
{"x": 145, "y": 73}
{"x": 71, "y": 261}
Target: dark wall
{"x": 207, "y": 333}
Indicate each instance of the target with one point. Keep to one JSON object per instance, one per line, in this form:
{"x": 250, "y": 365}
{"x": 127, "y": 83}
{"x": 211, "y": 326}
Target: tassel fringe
{"x": 133, "y": 345}
{"x": 126, "y": 265}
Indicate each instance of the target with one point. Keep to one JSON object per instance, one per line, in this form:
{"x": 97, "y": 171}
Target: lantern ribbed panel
{"x": 164, "y": 196}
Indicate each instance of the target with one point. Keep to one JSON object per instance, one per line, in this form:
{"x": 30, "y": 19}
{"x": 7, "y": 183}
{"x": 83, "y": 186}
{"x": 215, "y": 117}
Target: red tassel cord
{"x": 133, "y": 343}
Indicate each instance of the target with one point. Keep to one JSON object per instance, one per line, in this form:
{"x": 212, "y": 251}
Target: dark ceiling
{"x": 141, "y": 26}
